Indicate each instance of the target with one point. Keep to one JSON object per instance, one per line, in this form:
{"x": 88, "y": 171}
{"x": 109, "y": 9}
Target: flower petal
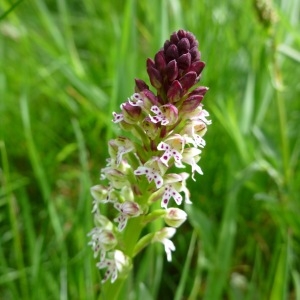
{"x": 151, "y": 174}
{"x": 117, "y": 117}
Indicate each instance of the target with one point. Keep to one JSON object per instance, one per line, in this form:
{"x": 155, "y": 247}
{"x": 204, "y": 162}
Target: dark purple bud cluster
{"x": 175, "y": 68}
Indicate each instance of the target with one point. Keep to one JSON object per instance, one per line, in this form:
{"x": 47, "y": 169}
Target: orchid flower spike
{"x": 164, "y": 127}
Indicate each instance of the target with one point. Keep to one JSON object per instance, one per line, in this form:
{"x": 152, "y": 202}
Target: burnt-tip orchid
{"x": 164, "y": 130}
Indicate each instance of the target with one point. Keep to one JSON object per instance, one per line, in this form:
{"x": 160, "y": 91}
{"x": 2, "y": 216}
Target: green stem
{"x": 14, "y": 217}
{"x": 110, "y": 291}
{"x": 282, "y": 116}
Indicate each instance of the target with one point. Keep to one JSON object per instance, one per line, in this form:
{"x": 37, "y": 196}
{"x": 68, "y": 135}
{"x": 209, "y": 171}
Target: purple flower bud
{"x": 181, "y": 33}
{"x": 197, "y": 67}
{"x": 150, "y": 63}
{"x": 175, "y": 91}
{"x": 195, "y": 54}
{"x": 184, "y": 61}
{"x": 188, "y": 80}
{"x": 191, "y": 103}
{"x": 131, "y": 114}
{"x": 172, "y": 52}
{"x": 183, "y": 45}
{"x": 174, "y": 38}
{"x": 150, "y": 97}
{"x": 201, "y": 90}
{"x": 178, "y": 57}
{"x": 160, "y": 61}
{"x": 155, "y": 77}
{"x": 140, "y": 85}
{"x": 166, "y": 45}
{"x": 193, "y": 41}
{"x": 172, "y": 70}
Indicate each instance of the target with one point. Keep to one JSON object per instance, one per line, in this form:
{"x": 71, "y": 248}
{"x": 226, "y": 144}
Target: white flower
{"x": 151, "y": 174}
{"x": 173, "y": 147}
{"x": 117, "y": 178}
{"x": 169, "y": 152}
{"x": 101, "y": 194}
{"x": 117, "y": 264}
{"x": 117, "y": 117}
{"x": 193, "y": 133}
{"x": 169, "y": 115}
{"x": 174, "y": 184}
{"x": 170, "y": 192}
{"x": 159, "y": 116}
{"x": 201, "y": 115}
{"x": 120, "y": 146}
{"x": 102, "y": 240}
{"x": 191, "y": 156}
{"x": 163, "y": 236}
{"x": 127, "y": 209}
{"x": 136, "y": 100}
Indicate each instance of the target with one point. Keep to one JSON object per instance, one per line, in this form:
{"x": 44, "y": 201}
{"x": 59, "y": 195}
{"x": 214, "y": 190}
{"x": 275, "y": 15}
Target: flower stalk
{"x": 167, "y": 128}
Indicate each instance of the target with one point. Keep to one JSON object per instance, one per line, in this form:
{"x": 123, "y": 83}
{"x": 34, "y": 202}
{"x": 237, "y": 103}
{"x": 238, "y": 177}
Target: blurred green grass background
{"x": 66, "y": 65}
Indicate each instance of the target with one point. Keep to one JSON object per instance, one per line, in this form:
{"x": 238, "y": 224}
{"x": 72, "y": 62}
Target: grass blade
{"x": 186, "y": 268}
{"x": 218, "y": 275}
{"x": 280, "y": 281}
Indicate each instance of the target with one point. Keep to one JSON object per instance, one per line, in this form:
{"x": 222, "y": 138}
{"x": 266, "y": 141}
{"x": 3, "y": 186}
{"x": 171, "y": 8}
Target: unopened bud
{"x": 131, "y": 114}
{"x": 175, "y": 217}
{"x": 175, "y": 91}
{"x": 140, "y": 85}
{"x": 172, "y": 51}
{"x": 160, "y": 61}
{"x": 184, "y": 61}
{"x": 184, "y": 45}
{"x": 201, "y": 90}
{"x": 172, "y": 70}
{"x": 149, "y": 99}
{"x": 107, "y": 240}
{"x": 129, "y": 208}
{"x": 191, "y": 103}
{"x": 197, "y": 67}
{"x": 195, "y": 54}
{"x": 188, "y": 80}
{"x": 154, "y": 74}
